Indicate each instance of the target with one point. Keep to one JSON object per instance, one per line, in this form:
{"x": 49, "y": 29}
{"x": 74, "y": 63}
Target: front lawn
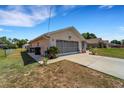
{"x": 110, "y": 52}
{"x": 20, "y": 70}
{"x": 2, "y": 54}
{"x": 13, "y": 66}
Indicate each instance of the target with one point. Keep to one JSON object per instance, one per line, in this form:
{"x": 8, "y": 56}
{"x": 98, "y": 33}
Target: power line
{"x": 50, "y": 9}
{"x": 50, "y": 12}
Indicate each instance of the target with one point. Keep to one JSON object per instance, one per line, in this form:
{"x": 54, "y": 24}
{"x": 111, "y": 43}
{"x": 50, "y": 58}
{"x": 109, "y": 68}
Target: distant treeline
{"x": 88, "y": 35}
{"x": 11, "y": 43}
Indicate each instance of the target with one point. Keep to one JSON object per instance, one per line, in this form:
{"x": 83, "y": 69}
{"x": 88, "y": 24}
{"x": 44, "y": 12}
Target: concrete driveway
{"x": 108, "y": 65}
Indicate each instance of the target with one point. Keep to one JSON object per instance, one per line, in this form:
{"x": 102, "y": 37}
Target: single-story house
{"x": 97, "y": 43}
{"x": 25, "y": 46}
{"x": 112, "y": 45}
{"x": 68, "y": 40}
{"x": 2, "y": 45}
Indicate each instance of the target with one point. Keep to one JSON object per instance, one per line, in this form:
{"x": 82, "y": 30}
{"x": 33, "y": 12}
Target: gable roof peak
{"x": 52, "y": 32}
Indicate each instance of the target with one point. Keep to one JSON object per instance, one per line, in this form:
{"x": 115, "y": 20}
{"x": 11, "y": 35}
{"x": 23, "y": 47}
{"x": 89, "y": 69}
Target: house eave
{"x": 42, "y": 36}
{"x": 47, "y": 35}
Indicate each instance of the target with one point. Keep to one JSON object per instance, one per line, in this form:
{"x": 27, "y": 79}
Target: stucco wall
{"x": 43, "y": 43}
{"x": 64, "y": 35}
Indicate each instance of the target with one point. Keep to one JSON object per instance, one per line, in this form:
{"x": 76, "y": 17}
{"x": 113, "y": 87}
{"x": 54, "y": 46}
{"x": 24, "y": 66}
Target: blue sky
{"x": 29, "y": 22}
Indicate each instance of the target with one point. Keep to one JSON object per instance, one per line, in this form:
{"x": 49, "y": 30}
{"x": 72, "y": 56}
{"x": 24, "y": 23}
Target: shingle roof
{"x": 49, "y": 33}
{"x": 94, "y": 41}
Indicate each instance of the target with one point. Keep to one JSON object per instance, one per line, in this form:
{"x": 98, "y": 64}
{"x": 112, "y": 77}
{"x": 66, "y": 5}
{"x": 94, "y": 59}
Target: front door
{"x": 37, "y": 51}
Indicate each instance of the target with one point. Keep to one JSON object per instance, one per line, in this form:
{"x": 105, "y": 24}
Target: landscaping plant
{"x": 45, "y": 60}
{"x": 92, "y": 51}
{"x": 52, "y": 52}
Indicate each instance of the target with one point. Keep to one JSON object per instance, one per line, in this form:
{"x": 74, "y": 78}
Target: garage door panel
{"x": 67, "y": 46}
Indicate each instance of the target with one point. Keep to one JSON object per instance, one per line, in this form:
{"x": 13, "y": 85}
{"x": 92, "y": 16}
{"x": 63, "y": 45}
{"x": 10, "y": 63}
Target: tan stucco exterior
{"x": 43, "y": 43}
{"x": 50, "y": 40}
{"x": 64, "y": 35}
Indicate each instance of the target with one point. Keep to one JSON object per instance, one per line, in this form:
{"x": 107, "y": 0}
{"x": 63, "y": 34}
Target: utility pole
{"x": 50, "y": 9}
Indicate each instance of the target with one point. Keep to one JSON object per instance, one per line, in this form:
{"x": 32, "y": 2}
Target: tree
{"x": 21, "y": 42}
{"x": 4, "y": 40}
{"x": 13, "y": 46}
{"x": 88, "y": 35}
{"x": 15, "y": 40}
{"x": 12, "y": 43}
{"x": 115, "y": 42}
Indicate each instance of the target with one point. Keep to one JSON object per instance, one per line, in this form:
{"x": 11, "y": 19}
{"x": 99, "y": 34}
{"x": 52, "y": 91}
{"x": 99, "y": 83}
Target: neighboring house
{"x": 106, "y": 43}
{"x": 25, "y": 46}
{"x": 112, "y": 45}
{"x": 97, "y": 43}
{"x": 2, "y": 45}
{"x": 68, "y": 40}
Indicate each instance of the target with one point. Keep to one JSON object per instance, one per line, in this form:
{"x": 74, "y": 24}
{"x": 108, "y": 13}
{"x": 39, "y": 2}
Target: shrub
{"x": 89, "y": 48}
{"x": 45, "y": 60}
{"x": 52, "y": 52}
{"x": 93, "y": 51}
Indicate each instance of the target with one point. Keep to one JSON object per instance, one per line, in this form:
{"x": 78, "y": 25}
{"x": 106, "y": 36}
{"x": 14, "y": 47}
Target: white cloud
{"x": 106, "y": 6}
{"x": 121, "y": 28}
{"x": 1, "y": 30}
{"x": 66, "y": 7}
{"x": 4, "y": 30}
{"x": 24, "y": 16}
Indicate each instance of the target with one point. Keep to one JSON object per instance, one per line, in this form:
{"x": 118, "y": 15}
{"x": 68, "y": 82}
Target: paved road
{"x": 108, "y": 65}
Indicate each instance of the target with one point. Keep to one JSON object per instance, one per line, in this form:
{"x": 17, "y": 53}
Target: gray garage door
{"x": 67, "y": 46}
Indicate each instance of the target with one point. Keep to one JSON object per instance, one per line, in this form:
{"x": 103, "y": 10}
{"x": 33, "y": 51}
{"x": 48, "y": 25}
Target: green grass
{"x": 12, "y": 66}
{"x": 2, "y": 54}
{"x": 110, "y": 52}
{"x": 20, "y": 70}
